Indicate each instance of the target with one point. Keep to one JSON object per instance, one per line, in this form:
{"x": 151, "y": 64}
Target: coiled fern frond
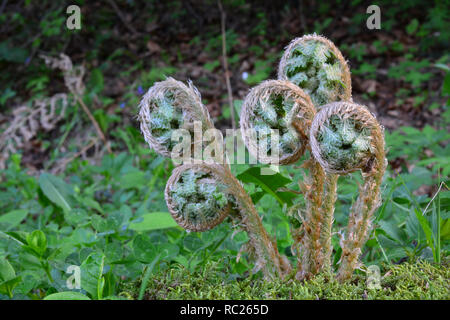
{"x": 278, "y": 110}
{"x": 346, "y": 137}
{"x": 197, "y": 197}
{"x": 167, "y": 106}
{"x": 314, "y": 64}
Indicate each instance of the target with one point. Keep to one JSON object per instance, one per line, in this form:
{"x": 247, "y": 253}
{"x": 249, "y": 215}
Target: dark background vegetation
{"x": 66, "y": 191}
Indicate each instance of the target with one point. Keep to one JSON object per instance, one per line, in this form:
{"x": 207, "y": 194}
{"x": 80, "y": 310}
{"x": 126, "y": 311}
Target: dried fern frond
{"x": 315, "y": 64}
{"x": 278, "y": 110}
{"x": 167, "y": 106}
{"x": 27, "y": 121}
{"x": 73, "y": 75}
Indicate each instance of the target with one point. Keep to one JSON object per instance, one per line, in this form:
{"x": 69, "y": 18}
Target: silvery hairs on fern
{"x": 314, "y": 64}
{"x": 167, "y": 106}
{"x": 272, "y": 117}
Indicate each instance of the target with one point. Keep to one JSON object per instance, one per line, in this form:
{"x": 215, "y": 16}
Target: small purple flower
{"x": 122, "y": 105}
{"x": 27, "y": 60}
{"x": 140, "y": 91}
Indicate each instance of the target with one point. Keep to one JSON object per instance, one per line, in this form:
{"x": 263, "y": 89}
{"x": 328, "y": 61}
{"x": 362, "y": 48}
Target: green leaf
{"x": 67, "y": 295}
{"x": 134, "y": 179}
{"x": 12, "y": 54}
{"x": 143, "y": 248}
{"x": 56, "y": 190}
{"x": 91, "y": 275}
{"x": 8, "y": 286}
{"x": 37, "y": 241}
{"x": 425, "y": 227}
{"x": 96, "y": 81}
{"x": 13, "y": 218}
{"x": 269, "y": 183}
{"x": 392, "y": 230}
{"x": 146, "y": 277}
{"x": 8, "y": 279}
{"x": 445, "y": 230}
{"x": 412, "y": 26}
{"x": 153, "y": 221}
{"x": 91, "y": 203}
{"x": 6, "y": 270}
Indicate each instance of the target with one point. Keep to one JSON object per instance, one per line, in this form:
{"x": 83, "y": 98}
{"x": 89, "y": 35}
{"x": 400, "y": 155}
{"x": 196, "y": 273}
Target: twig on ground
{"x": 94, "y": 122}
{"x": 439, "y": 190}
{"x": 225, "y": 64}
{"x": 122, "y": 17}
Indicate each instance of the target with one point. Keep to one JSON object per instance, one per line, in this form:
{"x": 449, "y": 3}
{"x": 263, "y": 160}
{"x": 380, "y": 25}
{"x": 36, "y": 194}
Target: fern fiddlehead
{"x": 201, "y": 195}
{"x": 346, "y": 137}
{"x": 167, "y": 106}
{"x": 277, "y": 106}
{"x": 276, "y": 109}
{"x": 314, "y": 64}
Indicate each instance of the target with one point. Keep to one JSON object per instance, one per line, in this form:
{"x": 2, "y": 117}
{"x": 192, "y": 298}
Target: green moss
{"x": 275, "y": 114}
{"x": 198, "y": 197}
{"x": 406, "y": 281}
{"x": 315, "y": 69}
{"x": 343, "y": 143}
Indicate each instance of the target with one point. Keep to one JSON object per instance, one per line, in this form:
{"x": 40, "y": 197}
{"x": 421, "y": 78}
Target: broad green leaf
{"x": 153, "y": 221}
{"x": 67, "y": 295}
{"x": 56, "y": 190}
{"x": 13, "y": 218}
{"x": 92, "y": 279}
{"x": 269, "y": 183}
{"x": 412, "y": 26}
{"x": 392, "y": 230}
{"x": 18, "y": 236}
{"x": 143, "y": 248}
{"x": 6, "y": 270}
{"x": 8, "y": 279}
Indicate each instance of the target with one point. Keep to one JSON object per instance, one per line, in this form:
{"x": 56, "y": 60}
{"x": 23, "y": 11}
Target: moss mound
{"x": 421, "y": 280}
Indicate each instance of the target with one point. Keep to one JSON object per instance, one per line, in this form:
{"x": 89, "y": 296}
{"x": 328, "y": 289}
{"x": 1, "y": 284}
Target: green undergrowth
{"x": 407, "y": 281}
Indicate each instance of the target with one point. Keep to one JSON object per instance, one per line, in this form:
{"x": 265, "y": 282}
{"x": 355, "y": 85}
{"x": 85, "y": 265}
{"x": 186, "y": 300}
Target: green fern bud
{"x": 196, "y": 198}
{"x": 276, "y": 107}
{"x": 315, "y": 64}
{"x": 167, "y": 106}
{"x": 341, "y": 142}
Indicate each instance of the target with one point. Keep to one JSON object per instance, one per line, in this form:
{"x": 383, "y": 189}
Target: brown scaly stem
{"x": 360, "y": 224}
{"x": 311, "y": 253}
{"x": 268, "y": 259}
{"x": 327, "y": 213}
